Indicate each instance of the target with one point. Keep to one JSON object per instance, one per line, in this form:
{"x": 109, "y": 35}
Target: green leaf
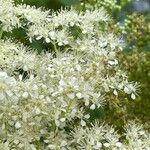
{"x": 70, "y": 2}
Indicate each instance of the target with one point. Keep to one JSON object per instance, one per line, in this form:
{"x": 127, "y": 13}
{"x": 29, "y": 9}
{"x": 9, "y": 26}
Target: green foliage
{"x": 138, "y": 66}
{"x": 136, "y": 29}
{"x": 111, "y": 6}
{"x": 51, "y": 4}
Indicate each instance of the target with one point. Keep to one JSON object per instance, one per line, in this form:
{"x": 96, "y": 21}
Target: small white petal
{"x": 78, "y": 67}
{"x": 92, "y": 41}
{"x": 47, "y": 40}
{"x": 62, "y": 83}
{"x": 52, "y": 35}
{"x": 79, "y": 95}
{"x": 57, "y": 123}
{"x": 41, "y": 97}
{"x": 92, "y": 106}
{"x": 39, "y": 37}
{"x": 62, "y": 119}
{"x": 25, "y": 95}
{"x": 73, "y": 112}
{"x": 9, "y": 93}
{"x": 30, "y": 39}
{"x": 65, "y": 42}
{"x": 118, "y": 144}
{"x": 126, "y": 90}
{"x": 106, "y": 144}
{"x": 97, "y": 146}
{"x": 71, "y": 95}
{"x": 17, "y": 125}
{"x": 84, "y": 31}
{"x": 141, "y": 132}
{"x": 116, "y": 62}
{"x": 87, "y": 102}
{"x": 133, "y": 96}
{"x": 46, "y": 141}
{"x": 115, "y": 92}
{"x": 60, "y": 44}
{"x": 3, "y": 75}
{"x": 56, "y": 24}
{"x": 71, "y": 24}
{"x": 113, "y": 62}
{"x": 50, "y": 146}
{"x": 31, "y": 77}
{"x": 20, "y": 77}
{"x": 25, "y": 68}
{"x": 63, "y": 143}
{"x": 83, "y": 123}
{"x": 87, "y": 116}
{"x": 38, "y": 111}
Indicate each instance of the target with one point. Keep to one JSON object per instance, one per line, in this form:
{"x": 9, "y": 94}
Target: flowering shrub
{"x": 45, "y": 99}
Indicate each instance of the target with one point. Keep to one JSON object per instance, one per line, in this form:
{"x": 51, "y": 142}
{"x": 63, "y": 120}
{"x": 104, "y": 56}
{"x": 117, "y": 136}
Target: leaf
{"x": 70, "y": 2}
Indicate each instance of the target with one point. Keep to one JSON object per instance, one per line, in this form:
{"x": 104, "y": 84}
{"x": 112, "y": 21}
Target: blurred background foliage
{"x": 131, "y": 21}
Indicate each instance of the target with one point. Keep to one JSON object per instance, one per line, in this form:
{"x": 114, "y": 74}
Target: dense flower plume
{"x": 43, "y": 96}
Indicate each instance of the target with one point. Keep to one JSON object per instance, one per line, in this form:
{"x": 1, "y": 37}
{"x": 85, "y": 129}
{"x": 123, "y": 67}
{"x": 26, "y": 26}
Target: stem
{"x": 55, "y": 48}
{"x": 1, "y": 32}
{"x": 84, "y": 1}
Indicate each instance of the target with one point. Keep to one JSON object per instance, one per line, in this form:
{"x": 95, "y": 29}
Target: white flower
{"x": 131, "y": 89}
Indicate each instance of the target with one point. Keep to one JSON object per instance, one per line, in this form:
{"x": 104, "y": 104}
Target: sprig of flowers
{"x": 105, "y": 137}
{"x": 40, "y": 95}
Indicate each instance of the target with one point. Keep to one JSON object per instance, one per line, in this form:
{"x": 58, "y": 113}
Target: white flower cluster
{"x": 106, "y": 138}
{"x": 41, "y": 95}
{"x": 54, "y": 27}
{"x": 12, "y": 16}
